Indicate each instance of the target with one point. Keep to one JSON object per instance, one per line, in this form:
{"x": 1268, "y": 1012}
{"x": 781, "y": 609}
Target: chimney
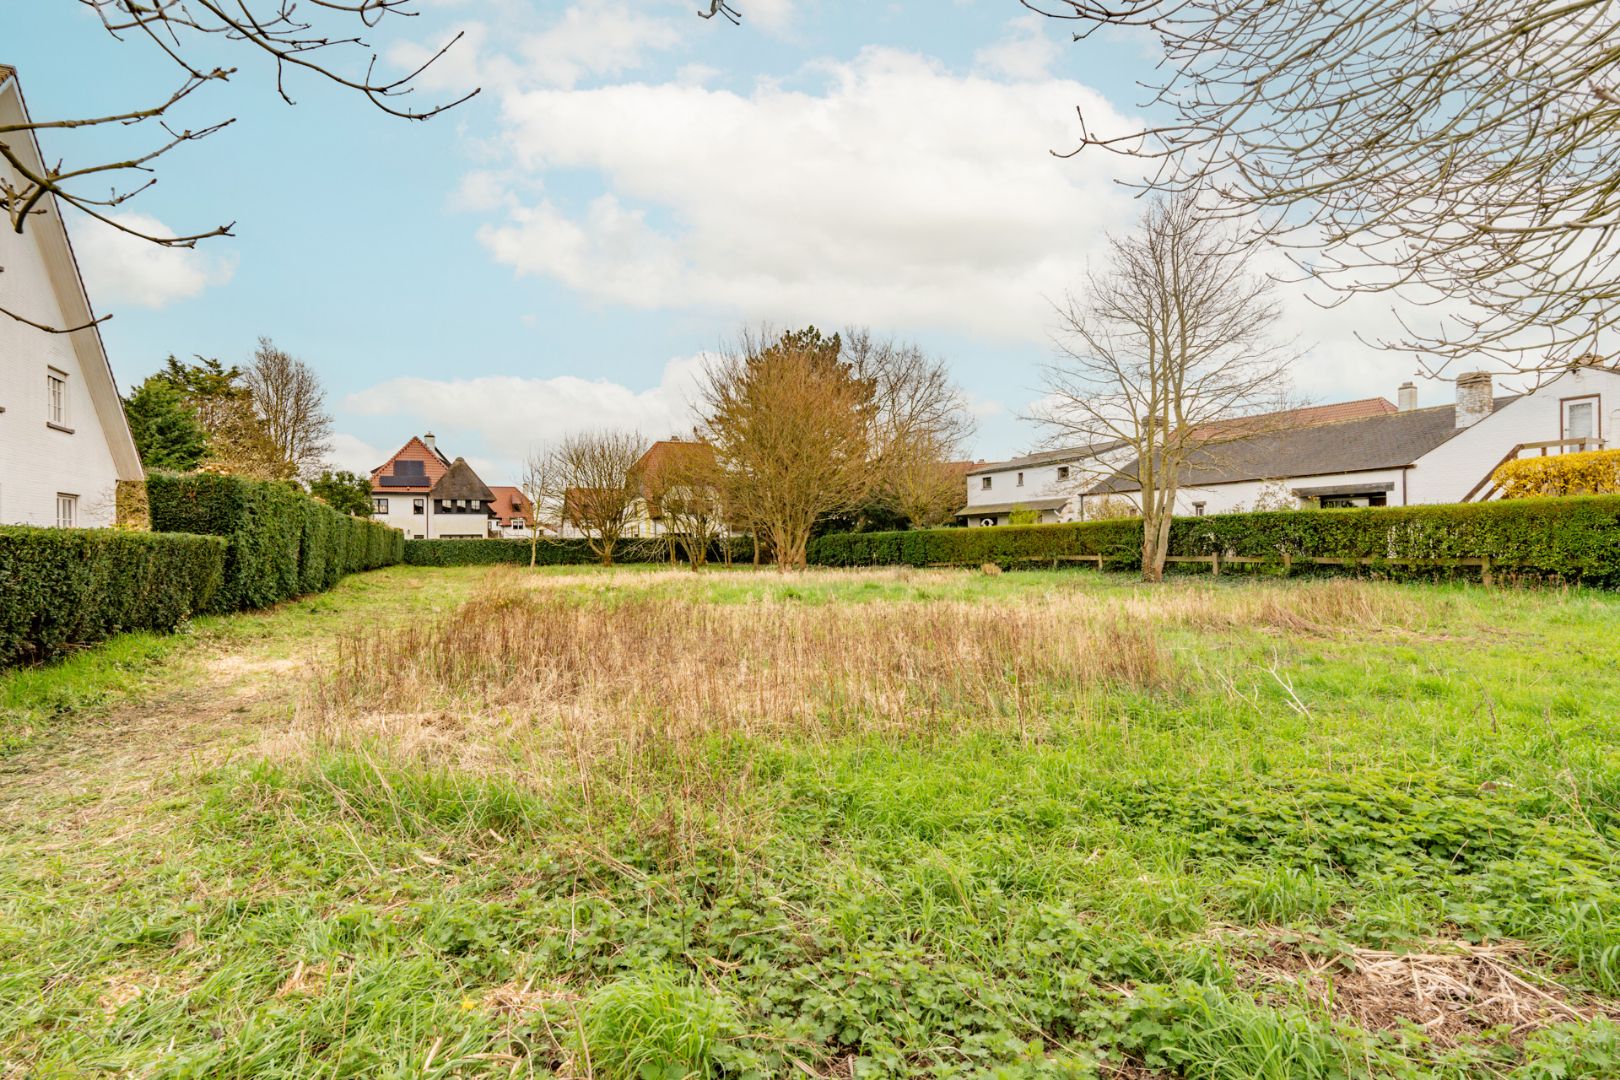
{"x": 1475, "y": 397}
{"x": 431, "y": 442}
{"x": 1407, "y": 396}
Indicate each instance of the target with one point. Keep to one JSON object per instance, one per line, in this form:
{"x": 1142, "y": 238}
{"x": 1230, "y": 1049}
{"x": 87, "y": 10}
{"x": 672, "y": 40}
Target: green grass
{"x": 1051, "y": 899}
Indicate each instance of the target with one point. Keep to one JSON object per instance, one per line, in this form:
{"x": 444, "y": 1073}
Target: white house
{"x": 1049, "y": 485}
{"x": 64, "y": 443}
{"x": 1404, "y": 457}
{"x": 429, "y": 497}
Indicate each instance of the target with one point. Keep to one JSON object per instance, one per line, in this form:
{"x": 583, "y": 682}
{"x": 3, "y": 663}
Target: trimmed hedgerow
{"x": 282, "y": 543}
{"x": 1574, "y": 539}
{"x": 1118, "y": 541}
{"x": 571, "y": 552}
{"x": 65, "y": 588}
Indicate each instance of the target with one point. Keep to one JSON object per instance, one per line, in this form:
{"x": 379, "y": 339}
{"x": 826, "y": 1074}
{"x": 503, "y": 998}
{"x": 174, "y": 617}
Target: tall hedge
{"x": 63, "y": 588}
{"x": 1575, "y": 539}
{"x": 551, "y": 552}
{"x": 280, "y": 542}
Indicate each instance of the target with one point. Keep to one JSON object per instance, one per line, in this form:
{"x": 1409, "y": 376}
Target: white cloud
{"x": 506, "y": 416}
{"x": 355, "y": 454}
{"x": 1027, "y": 51}
{"x": 898, "y": 193}
{"x": 124, "y": 269}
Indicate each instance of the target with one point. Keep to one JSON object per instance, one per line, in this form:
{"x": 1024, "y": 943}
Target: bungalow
{"x": 64, "y": 442}
{"x": 1401, "y": 456}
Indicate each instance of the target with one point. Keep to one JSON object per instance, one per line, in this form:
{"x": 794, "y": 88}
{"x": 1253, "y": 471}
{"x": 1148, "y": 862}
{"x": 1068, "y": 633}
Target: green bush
{"x": 551, "y": 552}
{"x": 64, "y": 588}
{"x": 1573, "y": 539}
{"x": 281, "y": 544}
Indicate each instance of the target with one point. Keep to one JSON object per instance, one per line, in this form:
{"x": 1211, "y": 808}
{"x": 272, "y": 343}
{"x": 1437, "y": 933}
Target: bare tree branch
{"x": 1463, "y": 155}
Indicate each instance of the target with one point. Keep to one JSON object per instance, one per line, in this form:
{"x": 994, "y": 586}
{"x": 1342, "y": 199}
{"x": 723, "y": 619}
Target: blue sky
{"x": 631, "y": 187}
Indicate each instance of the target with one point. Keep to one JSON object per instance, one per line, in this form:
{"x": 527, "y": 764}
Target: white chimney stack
{"x": 430, "y": 441}
{"x": 1407, "y": 396}
{"x": 1476, "y": 393}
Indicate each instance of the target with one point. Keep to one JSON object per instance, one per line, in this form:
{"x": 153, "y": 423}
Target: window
{"x": 56, "y": 405}
{"x": 418, "y": 506}
{"x": 1198, "y": 509}
{"x": 987, "y": 522}
{"x": 379, "y": 506}
{"x": 1580, "y": 420}
{"x": 1063, "y": 472}
{"x": 67, "y": 510}
{"x": 984, "y": 483}
{"x": 1020, "y": 480}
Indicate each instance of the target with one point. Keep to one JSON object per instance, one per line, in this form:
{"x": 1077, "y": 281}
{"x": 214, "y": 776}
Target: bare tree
{"x": 540, "y": 487}
{"x": 682, "y": 487}
{"x": 920, "y": 423}
{"x": 792, "y": 423}
{"x": 291, "y": 404}
{"x": 1455, "y": 152}
{"x": 1166, "y": 346}
{"x": 316, "y": 38}
{"x": 597, "y": 486}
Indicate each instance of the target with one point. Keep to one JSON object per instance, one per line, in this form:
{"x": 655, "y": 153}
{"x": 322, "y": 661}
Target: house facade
{"x": 427, "y": 496}
{"x": 1049, "y": 485}
{"x": 64, "y": 442}
{"x": 1403, "y": 457}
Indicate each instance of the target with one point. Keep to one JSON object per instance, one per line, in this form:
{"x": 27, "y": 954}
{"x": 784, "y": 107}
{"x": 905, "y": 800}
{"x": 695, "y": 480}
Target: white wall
{"x": 37, "y": 462}
{"x": 1450, "y": 471}
{"x": 1041, "y": 482}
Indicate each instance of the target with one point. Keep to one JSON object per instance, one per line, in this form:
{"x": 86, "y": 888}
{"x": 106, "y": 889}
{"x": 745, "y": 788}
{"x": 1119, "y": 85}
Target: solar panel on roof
{"x": 416, "y": 469}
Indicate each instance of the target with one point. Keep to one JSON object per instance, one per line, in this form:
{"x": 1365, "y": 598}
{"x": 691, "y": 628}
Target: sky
{"x": 631, "y": 187}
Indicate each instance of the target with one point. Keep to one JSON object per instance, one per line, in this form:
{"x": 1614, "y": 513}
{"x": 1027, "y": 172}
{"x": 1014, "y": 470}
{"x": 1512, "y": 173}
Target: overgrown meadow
{"x": 651, "y": 824}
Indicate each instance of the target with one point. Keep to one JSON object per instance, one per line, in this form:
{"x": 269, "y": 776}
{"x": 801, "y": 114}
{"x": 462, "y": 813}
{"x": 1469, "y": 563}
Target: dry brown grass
{"x": 1454, "y": 992}
{"x": 781, "y": 668}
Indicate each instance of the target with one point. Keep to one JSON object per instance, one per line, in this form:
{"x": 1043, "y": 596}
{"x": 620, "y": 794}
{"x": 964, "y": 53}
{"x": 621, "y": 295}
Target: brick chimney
{"x": 1476, "y": 394}
{"x": 1406, "y": 397}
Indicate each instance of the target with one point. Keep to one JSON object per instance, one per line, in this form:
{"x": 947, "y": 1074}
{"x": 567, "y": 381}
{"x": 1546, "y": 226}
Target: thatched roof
{"x": 460, "y": 482}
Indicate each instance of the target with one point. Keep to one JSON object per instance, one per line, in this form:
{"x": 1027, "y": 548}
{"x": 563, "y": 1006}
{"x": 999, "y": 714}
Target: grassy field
{"x": 648, "y": 825}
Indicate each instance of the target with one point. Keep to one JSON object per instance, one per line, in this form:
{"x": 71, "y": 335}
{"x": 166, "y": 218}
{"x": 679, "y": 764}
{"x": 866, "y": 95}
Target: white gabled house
{"x": 1049, "y": 485}
{"x": 427, "y": 496}
{"x": 1402, "y": 456}
{"x": 64, "y": 442}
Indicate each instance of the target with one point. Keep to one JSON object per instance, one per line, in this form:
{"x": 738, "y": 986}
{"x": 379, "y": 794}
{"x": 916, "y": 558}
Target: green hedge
{"x": 551, "y": 552}
{"x": 282, "y": 543}
{"x": 1575, "y": 539}
{"x": 63, "y": 588}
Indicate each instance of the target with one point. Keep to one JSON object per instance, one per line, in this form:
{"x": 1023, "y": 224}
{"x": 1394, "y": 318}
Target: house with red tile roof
{"x": 422, "y": 492}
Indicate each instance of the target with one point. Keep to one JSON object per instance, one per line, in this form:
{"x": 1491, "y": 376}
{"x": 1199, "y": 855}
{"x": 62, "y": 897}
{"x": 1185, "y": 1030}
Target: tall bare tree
{"x": 291, "y": 405}
{"x": 316, "y": 39}
{"x": 545, "y": 496}
{"x": 792, "y": 424}
{"x": 1164, "y": 347}
{"x": 920, "y": 422}
{"x": 683, "y": 485}
{"x": 597, "y": 486}
{"x": 1455, "y": 152}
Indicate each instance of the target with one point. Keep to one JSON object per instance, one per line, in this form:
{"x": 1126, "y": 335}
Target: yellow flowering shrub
{"x": 1596, "y": 472}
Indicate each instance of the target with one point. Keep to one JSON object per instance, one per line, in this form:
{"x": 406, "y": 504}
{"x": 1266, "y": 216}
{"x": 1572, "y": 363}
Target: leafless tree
{"x": 291, "y": 404}
{"x": 545, "y": 497}
{"x": 316, "y": 38}
{"x": 598, "y": 486}
{"x": 1453, "y": 152}
{"x": 720, "y": 7}
{"x": 1164, "y": 348}
{"x": 792, "y": 424}
{"x": 920, "y": 423}
{"x": 683, "y": 486}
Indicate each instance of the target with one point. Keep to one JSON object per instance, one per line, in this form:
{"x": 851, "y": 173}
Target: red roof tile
{"x": 433, "y": 468}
